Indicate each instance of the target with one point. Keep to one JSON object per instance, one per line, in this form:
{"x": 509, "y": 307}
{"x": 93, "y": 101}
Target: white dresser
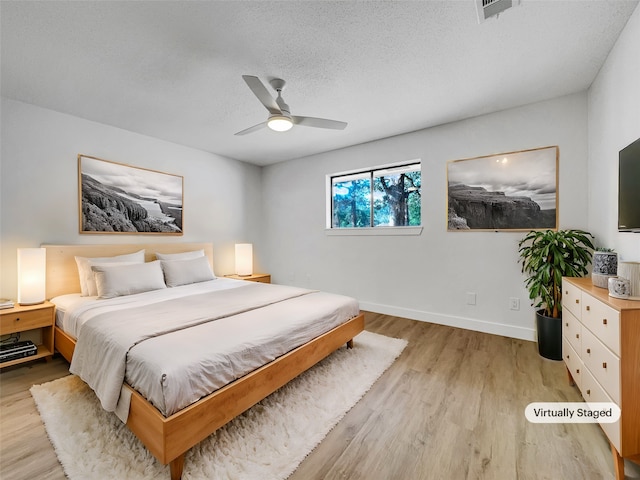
{"x": 601, "y": 349}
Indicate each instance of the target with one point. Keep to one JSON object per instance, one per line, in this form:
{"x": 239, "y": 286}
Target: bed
{"x": 170, "y": 435}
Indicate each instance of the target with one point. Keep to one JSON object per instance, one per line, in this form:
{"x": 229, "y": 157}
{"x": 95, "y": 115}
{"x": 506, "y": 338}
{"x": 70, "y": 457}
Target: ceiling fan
{"x": 280, "y": 118}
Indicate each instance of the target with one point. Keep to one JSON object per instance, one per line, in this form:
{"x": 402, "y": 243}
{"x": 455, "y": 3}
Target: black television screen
{"x": 629, "y": 188}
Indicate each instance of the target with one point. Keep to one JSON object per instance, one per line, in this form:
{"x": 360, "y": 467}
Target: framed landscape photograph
{"x": 118, "y": 198}
{"x": 506, "y": 191}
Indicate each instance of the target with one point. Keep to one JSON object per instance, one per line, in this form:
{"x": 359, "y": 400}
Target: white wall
{"x": 614, "y": 122}
{"x": 282, "y": 207}
{"x": 39, "y": 186}
{"x": 425, "y": 277}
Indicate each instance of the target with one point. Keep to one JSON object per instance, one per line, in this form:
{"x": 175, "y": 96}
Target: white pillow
{"x": 92, "y": 289}
{"x": 180, "y": 256}
{"x": 119, "y": 280}
{"x": 87, "y": 283}
{"x": 183, "y": 272}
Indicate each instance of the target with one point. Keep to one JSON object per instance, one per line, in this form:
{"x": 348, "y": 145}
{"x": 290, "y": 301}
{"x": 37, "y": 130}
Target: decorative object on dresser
{"x": 631, "y": 271}
{"x": 605, "y": 266}
{"x": 601, "y": 348}
{"x": 546, "y": 257}
{"x": 619, "y": 287}
{"x": 35, "y": 320}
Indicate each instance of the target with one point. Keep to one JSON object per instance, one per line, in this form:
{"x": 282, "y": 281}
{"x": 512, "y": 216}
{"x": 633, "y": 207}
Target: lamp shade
{"x": 31, "y": 275}
{"x": 244, "y": 259}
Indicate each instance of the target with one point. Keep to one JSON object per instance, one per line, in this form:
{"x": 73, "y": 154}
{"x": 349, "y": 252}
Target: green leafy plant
{"x": 546, "y": 257}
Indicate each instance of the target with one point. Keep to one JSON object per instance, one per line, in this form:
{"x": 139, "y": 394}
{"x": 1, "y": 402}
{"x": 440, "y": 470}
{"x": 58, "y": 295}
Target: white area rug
{"x": 267, "y": 442}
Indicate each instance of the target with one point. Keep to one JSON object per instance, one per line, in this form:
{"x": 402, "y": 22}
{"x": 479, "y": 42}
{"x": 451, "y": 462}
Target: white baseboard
{"x": 453, "y": 321}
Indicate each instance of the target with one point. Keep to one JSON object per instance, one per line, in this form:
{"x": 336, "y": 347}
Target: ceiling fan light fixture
{"x": 279, "y": 123}
{"x": 280, "y": 118}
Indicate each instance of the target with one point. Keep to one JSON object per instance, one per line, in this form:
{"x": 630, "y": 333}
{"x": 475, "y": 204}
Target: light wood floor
{"x": 451, "y": 407}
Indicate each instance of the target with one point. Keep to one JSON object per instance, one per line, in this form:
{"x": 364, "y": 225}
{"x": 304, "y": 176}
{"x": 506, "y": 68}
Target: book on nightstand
{"x": 6, "y": 303}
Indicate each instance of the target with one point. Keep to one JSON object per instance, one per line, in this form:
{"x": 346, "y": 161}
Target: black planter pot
{"x": 549, "y": 336}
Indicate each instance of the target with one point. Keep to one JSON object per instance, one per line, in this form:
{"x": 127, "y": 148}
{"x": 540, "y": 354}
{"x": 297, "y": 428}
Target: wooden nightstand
{"x": 23, "y": 318}
{"x": 256, "y": 277}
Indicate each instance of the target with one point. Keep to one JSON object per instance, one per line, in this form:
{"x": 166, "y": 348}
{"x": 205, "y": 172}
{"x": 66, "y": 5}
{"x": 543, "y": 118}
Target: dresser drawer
{"x": 571, "y": 299}
{"x": 603, "y": 321}
{"x": 610, "y": 352}
{"x": 572, "y": 329}
{"x": 573, "y": 362}
{"x": 263, "y": 279}
{"x": 21, "y": 321}
{"x": 592, "y": 391}
{"x": 603, "y": 364}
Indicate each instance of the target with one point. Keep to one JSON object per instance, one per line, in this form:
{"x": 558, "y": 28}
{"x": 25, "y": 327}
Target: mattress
{"x": 232, "y": 328}
{"x": 73, "y": 310}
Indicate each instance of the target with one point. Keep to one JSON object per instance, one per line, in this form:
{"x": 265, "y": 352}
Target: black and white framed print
{"x": 505, "y": 191}
{"x": 118, "y": 198}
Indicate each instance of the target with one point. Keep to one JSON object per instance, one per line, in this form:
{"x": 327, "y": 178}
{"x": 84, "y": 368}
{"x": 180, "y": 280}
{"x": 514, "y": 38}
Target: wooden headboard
{"x": 62, "y": 271}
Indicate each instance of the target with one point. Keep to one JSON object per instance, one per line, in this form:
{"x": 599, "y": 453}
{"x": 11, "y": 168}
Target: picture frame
{"x": 114, "y": 198}
{"x": 512, "y": 191}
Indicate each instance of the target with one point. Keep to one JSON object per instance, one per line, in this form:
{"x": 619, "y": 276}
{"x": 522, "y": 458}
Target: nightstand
{"x": 256, "y": 277}
{"x": 24, "y": 318}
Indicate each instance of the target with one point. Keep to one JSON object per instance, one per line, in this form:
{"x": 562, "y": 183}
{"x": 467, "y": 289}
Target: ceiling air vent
{"x": 493, "y": 8}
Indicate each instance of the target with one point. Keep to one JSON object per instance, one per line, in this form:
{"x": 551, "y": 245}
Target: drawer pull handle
{"x": 604, "y": 364}
{"x": 577, "y": 301}
{"x": 588, "y": 308}
{"x": 566, "y": 292}
{"x": 588, "y": 392}
{"x": 577, "y": 370}
{"x": 17, "y": 319}
{"x": 588, "y": 350}
{"x": 567, "y": 357}
{"x": 577, "y": 335}
{"x": 604, "y": 321}
{"x": 567, "y": 324}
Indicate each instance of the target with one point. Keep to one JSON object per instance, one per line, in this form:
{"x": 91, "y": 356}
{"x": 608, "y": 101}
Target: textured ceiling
{"x": 172, "y": 70}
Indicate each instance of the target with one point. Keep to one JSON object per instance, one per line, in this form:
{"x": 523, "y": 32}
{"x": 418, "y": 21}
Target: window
{"x": 381, "y": 197}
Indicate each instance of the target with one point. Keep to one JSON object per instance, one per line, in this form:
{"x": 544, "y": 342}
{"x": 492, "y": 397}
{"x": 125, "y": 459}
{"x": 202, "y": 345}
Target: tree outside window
{"x": 387, "y": 196}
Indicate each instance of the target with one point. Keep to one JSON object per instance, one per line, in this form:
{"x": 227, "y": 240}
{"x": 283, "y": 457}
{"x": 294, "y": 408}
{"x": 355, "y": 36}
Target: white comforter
{"x": 176, "y": 350}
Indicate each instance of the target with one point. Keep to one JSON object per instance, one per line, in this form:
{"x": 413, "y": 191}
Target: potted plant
{"x": 546, "y": 257}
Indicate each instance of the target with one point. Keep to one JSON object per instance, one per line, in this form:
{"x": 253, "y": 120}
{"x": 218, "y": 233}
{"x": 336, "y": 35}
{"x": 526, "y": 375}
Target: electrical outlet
{"x": 514, "y": 303}
{"x": 471, "y": 298}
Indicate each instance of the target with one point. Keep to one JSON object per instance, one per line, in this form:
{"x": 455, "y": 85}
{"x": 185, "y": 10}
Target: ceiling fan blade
{"x": 260, "y": 91}
{"x": 319, "y": 122}
{"x": 252, "y": 129}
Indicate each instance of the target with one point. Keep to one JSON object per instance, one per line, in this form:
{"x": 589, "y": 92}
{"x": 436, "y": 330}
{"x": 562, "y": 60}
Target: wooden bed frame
{"x": 169, "y": 438}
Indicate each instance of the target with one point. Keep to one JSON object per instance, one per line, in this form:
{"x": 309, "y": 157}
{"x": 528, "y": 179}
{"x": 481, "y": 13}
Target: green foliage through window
{"x": 388, "y": 196}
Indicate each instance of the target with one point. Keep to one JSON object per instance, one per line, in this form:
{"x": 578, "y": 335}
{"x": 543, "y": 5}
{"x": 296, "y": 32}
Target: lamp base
{"x": 30, "y": 303}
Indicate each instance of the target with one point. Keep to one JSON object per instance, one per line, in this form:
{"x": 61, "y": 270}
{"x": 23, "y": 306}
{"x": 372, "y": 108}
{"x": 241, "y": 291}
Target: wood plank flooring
{"x": 451, "y": 407}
